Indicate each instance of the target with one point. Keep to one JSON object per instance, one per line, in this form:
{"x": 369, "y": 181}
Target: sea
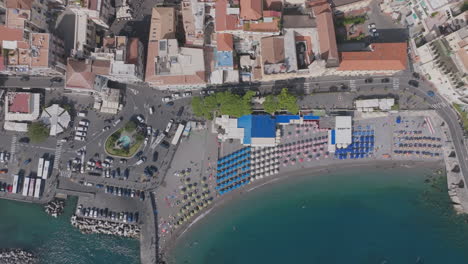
{"x": 371, "y": 216}
{"x": 56, "y": 241}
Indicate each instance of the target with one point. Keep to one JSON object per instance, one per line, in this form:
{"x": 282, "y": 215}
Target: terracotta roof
{"x": 262, "y": 26}
{"x": 384, "y": 57}
{"x": 79, "y": 74}
{"x": 271, "y": 13}
{"x": 463, "y": 54}
{"x": 326, "y": 31}
{"x": 224, "y": 42}
{"x": 19, "y": 103}
{"x": 273, "y": 50}
{"x": 10, "y": 34}
{"x": 21, "y": 4}
{"x": 101, "y": 67}
{"x": 298, "y": 21}
{"x": 251, "y": 9}
{"x": 132, "y": 51}
{"x": 343, "y": 2}
{"x": 162, "y": 23}
{"x": 274, "y": 5}
{"x": 223, "y": 21}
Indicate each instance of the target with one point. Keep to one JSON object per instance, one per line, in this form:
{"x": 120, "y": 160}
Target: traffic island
{"x": 125, "y": 142}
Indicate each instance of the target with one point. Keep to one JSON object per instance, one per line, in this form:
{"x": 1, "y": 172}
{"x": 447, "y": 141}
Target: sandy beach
{"x": 303, "y": 172}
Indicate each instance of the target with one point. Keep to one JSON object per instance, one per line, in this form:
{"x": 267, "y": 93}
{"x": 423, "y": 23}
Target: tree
{"x": 270, "y": 105}
{"x": 288, "y": 102}
{"x": 38, "y": 132}
{"x": 464, "y": 6}
{"x": 130, "y": 126}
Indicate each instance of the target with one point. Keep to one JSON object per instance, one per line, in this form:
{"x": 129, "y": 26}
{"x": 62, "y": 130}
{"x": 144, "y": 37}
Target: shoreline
{"x": 169, "y": 246}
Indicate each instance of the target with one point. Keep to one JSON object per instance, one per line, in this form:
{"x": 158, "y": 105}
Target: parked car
{"x": 117, "y": 121}
{"x": 83, "y": 123}
{"x": 166, "y": 99}
{"x": 80, "y": 138}
{"x": 24, "y": 140}
{"x": 170, "y": 103}
{"x": 106, "y": 128}
{"x": 82, "y": 128}
{"x": 140, "y": 118}
{"x": 431, "y": 93}
{"x": 385, "y": 80}
{"x": 416, "y": 75}
{"x": 82, "y": 114}
{"x": 155, "y": 156}
{"x": 80, "y": 133}
{"x": 165, "y": 144}
{"x": 413, "y": 83}
{"x": 368, "y": 80}
{"x": 186, "y": 94}
{"x": 175, "y": 95}
{"x": 151, "y": 110}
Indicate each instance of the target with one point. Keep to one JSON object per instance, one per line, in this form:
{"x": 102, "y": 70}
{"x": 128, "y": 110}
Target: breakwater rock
{"x": 15, "y": 256}
{"x": 55, "y": 207}
{"x": 88, "y": 226}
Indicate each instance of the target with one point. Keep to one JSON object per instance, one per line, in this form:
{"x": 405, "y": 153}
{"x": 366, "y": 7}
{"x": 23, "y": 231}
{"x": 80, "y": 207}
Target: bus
{"x": 37, "y": 190}
{"x": 178, "y": 134}
{"x": 15, "y": 183}
{"x": 45, "y": 172}
{"x": 40, "y": 167}
{"x": 26, "y": 186}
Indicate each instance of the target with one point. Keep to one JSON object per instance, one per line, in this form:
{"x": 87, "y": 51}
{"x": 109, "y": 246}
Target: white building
{"x": 57, "y": 118}
{"x": 369, "y": 105}
{"x": 341, "y": 136}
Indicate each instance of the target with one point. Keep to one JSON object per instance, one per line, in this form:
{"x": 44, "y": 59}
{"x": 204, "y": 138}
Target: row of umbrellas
{"x": 233, "y": 187}
{"x": 228, "y": 182}
{"x": 234, "y": 155}
{"x": 225, "y": 170}
{"x": 363, "y": 133}
{"x": 231, "y": 177}
{"x": 420, "y": 138}
{"x": 410, "y": 152}
{"x": 415, "y": 132}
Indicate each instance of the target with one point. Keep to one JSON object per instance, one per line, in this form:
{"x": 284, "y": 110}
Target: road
{"x": 33, "y": 82}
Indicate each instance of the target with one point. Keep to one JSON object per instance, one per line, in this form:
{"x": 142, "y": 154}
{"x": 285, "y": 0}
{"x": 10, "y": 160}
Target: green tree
{"x": 270, "y": 105}
{"x": 464, "y": 6}
{"x": 288, "y": 101}
{"x": 130, "y": 126}
{"x": 38, "y": 132}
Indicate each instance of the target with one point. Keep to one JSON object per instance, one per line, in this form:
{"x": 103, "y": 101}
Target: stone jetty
{"x": 55, "y": 207}
{"x": 15, "y": 256}
{"x": 88, "y": 226}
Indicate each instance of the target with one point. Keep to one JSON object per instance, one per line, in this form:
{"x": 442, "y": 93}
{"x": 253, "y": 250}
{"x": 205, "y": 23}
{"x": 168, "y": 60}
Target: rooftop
{"x": 298, "y": 21}
{"x": 251, "y": 9}
{"x": 79, "y": 74}
{"x": 223, "y": 21}
{"x": 19, "y": 103}
{"x": 224, "y": 42}
{"x": 273, "y": 49}
{"x": 40, "y": 50}
{"x": 15, "y": 17}
{"x": 57, "y": 118}
{"x": 326, "y": 31}
{"x": 163, "y": 23}
{"x": 382, "y": 56}
{"x": 21, "y": 4}
{"x": 257, "y": 126}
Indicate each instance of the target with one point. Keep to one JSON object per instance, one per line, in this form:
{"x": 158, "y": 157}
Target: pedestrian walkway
{"x": 352, "y": 85}
{"x": 396, "y": 83}
{"x": 58, "y": 152}
{"x": 14, "y": 143}
{"x": 439, "y": 105}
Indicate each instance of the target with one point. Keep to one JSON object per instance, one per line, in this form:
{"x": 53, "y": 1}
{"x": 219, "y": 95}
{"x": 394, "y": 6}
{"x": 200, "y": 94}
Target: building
{"x": 100, "y": 11}
{"x": 56, "y": 118}
{"x": 122, "y": 57}
{"x": 341, "y": 136}
{"x": 381, "y": 58}
{"x": 193, "y": 15}
{"x": 326, "y": 32}
{"x": 251, "y": 130}
{"x": 168, "y": 65}
{"x": 25, "y": 52}
{"x": 369, "y": 105}
{"x": 107, "y": 99}
{"x": 22, "y": 106}
{"x": 346, "y": 6}
{"x": 79, "y": 76}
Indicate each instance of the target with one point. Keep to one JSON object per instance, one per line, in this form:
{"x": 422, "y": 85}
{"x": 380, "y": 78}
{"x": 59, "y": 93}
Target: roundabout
{"x": 124, "y": 142}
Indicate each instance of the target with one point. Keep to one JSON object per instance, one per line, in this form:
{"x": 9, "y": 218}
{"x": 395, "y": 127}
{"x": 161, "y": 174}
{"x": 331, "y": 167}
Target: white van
{"x": 83, "y": 123}
{"x": 80, "y": 133}
{"x": 151, "y": 110}
{"x": 82, "y": 128}
{"x": 166, "y": 99}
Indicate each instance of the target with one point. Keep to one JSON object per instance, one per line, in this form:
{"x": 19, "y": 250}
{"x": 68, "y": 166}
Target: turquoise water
{"x": 390, "y": 216}
{"x": 125, "y": 141}
{"x": 55, "y": 241}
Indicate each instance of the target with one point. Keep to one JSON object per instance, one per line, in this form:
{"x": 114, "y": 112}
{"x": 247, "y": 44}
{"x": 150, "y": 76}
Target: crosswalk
{"x": 14, "y": 143}
{"x": 396, "y": 83}
{"x": 58, "y": 153}
{"x": 306, "y": 88}
{"x": 352, "y": 85}
{"x": 340, "y": 97}
{"x": 439, "y": 105}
